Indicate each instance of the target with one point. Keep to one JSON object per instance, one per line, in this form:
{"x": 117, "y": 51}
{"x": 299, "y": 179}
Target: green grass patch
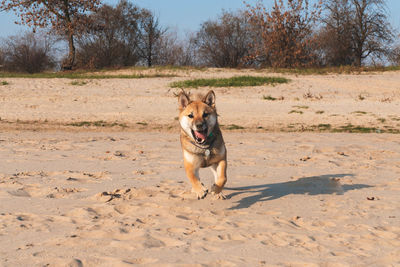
{"x": 349, "y": 128}
{"x": 324, "y": 127}
{"x": 319, "y": 112}
{"x": 358, "y": 112}
{"x": 238, "y": 81}
{"x": 142, "y": 123}
{"x": 394, "y": 118}
{"x": 381, "y": 120}
{"x": 78, "y": 83}
{"x": 301, "y": 107}
{"x": 4, "y": 83}
{"x": 234, "y": 127}
{"x": 158, "y": 68}
{"x": 296, "y": 111}
{"x": 81, "y": 75}
{"x": 270, "y": 98}
{"x": 96, "y": 124}
{"x": 335, "y": 70}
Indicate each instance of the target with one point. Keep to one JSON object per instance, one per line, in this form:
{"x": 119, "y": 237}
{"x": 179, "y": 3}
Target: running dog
{"x": 202, "y": 142}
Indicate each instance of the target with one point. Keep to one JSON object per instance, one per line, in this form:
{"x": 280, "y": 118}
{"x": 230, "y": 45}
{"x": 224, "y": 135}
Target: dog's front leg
{"x": 192, "y": 172}
{"x": 219, "y": 171}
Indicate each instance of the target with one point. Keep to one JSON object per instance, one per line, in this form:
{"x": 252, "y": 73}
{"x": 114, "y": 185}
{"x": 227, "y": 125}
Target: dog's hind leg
{"x": 219, "y": 171}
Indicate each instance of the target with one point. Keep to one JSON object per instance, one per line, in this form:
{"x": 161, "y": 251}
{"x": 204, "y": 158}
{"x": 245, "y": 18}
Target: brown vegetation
{"x": 336, "y": 35}
{"x": 225, "y": 42}
{"x": 111, "y": 39}
{"x": 286, "y": 34}
{"x": 353, "y": 30}
{"x": 66, "y": 18}
{"x": 27, "y": 53}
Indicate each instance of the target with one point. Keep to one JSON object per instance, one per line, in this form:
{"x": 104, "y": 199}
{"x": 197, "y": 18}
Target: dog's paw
{"x": 219, "y": 195}
{"x": 201, "y": 192}
{"x": 216, "y": 192}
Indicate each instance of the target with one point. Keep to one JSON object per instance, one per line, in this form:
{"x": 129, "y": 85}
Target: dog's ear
{"x": 209, "y": 99}
{"x": 183, "y": 100}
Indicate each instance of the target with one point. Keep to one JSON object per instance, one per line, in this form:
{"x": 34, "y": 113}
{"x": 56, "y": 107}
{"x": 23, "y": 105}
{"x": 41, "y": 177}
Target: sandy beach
{"x": 92, "y": 174}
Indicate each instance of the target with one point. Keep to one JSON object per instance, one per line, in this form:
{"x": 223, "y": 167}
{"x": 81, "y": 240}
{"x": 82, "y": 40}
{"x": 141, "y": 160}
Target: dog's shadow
{"x": 315, "y": 185}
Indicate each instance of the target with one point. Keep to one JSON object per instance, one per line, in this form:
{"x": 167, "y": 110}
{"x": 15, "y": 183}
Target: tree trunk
{"x": 358, "y": 61}
{"x": 69, "y": 62}
{"x": 149, "y": 53}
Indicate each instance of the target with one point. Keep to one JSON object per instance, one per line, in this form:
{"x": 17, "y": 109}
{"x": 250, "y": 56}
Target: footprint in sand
{"x": 85, "y": 177}
{"x": 28, "y": 191}
{"x": 58, "y": 192}
{"x": 140, "y": 261}
{"x": 35, "y": 190}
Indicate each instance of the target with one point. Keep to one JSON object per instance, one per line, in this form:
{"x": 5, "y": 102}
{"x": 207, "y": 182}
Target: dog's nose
{"x": 200, "y": 125}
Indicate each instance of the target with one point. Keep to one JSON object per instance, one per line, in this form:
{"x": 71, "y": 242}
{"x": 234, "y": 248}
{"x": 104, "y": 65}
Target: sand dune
{"x": 76, "y": 194}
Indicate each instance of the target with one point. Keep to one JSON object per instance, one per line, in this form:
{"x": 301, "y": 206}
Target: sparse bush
{"x": 169, "y": 50}
{"x": 394, "y": 56}
{"x": 225, "y": 42}
{"x": 335, "y": 36}
{"x": 127, "y": 35}
{"x": 285, "y": 37}
{"x": 112, "y": 40}
{"x": 65, "y": 18}
{"x": 29, "y": 52}
{"x": 1, "y": 58}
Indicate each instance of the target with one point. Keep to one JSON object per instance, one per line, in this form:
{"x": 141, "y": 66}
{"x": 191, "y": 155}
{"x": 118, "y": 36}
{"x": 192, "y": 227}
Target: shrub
{"x": 225, "y": 42}
{"x": 112, "y": 38}
{"x": 285, "y": 36}
{"x": 29, "y": 52}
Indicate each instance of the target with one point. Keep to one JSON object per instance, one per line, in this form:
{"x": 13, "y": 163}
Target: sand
{"x": 118, "y": 196}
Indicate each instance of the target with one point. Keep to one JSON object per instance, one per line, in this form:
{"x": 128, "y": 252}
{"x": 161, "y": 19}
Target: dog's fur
{"x": 202, "y": 142}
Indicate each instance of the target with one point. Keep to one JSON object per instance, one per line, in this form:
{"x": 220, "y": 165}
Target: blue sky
{"x": 183, "y": 15}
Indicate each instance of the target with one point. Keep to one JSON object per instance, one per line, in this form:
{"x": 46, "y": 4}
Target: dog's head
{"x": 197, "y": 117}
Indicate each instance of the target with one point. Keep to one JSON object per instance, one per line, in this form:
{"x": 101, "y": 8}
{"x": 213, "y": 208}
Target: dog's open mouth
{"x": 200, "y": 136}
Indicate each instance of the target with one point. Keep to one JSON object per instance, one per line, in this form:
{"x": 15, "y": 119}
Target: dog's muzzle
{"x": 200, "y": 136}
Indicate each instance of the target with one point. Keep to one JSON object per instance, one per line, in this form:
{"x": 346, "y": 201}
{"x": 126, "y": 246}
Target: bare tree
{"x": 2, "y": 57}
{"x": 150, "y": 33}
{"x": 394, "y": 55}
{"x": 168, "y": 50}
{"x": 336, "y": 35}
{"x": 371, "y": 30}
{"x": 354, "y": 30}
{"x": 190, "y": 56}
{"x": 28, "y": 53}
{"x": 113, "y": 38}
{"x": 285, "y": 37}
{"x": 173, "y": 51}
{"x": 126, "y": 35}
{"x": 66, "y": 17}
{"x": 225, "y": 42}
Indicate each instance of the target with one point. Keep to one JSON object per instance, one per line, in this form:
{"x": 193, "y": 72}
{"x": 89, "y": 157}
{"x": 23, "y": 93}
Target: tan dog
{"x": 202, "y": 142}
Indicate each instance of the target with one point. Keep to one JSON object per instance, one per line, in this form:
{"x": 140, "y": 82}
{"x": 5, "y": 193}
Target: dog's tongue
{"x": 200, "y": 135}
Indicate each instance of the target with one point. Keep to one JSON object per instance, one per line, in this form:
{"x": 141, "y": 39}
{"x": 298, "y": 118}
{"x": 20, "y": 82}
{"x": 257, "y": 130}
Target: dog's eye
{"x": 190, "y": 115}
{"x": 205, "y": 115}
